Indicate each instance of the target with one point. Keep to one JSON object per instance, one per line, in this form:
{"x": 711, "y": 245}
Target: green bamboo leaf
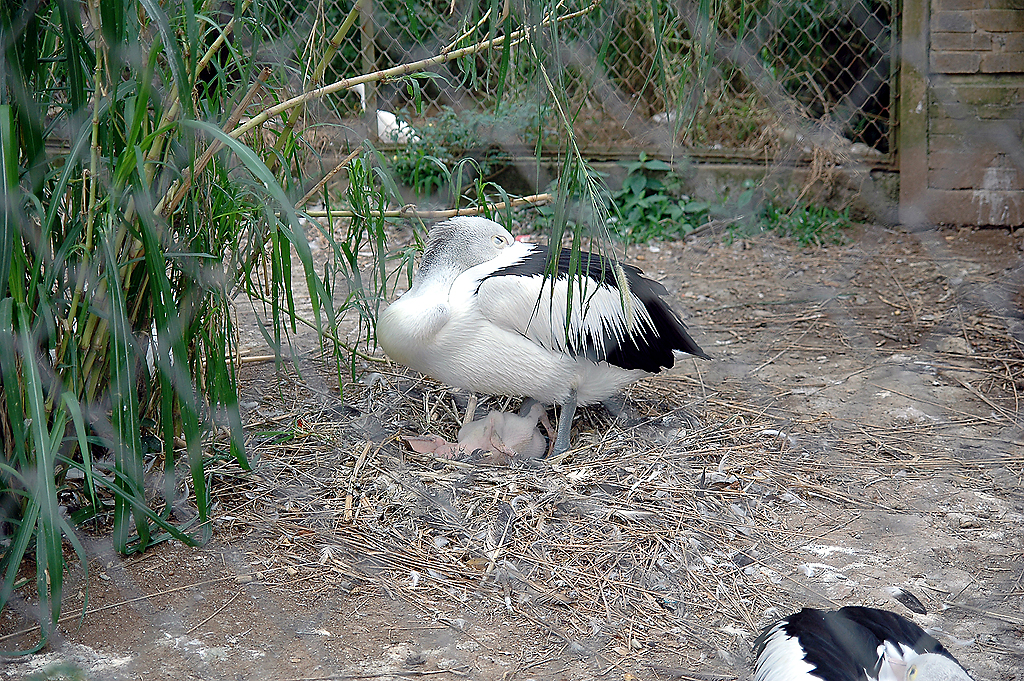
{"x": 49, "y": 554}
{"x": 75, "y": 410}
{"x": 73, "y": 42}
{"x": 9, "y": 193}
{"x": 289, "y": 226}
{"x": 503, "y": 64}
{"x": 126, "y": 442}
{"x": 172, "y": 54}
{"x": 9, "y": 369}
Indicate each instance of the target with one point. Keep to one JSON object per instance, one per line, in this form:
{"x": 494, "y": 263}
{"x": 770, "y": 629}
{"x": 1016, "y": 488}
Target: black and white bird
{"x": 482, "y": 316}
{"x": 851, "y": 644}
{"x": 389, "y": 128}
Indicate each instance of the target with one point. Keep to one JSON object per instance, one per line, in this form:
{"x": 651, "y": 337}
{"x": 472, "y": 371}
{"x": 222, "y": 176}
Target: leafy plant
{"x": 651, "y": 205}
{"x": 142, "y": 190}
{"x": 807, "y": 224}
{"x": 108, "y": 250}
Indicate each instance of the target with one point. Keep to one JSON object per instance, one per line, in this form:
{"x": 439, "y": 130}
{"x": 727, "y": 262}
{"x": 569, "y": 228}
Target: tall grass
{"x": 141, "y": 191}
{"x": 104, "y": 270}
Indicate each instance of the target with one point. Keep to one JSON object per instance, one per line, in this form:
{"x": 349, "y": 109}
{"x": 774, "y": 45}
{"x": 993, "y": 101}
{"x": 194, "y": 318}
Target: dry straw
{"x": 665, "y": 529}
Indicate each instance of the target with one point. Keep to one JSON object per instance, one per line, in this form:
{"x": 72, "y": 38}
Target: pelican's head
{"x": 464, "y": 242}
{"x": 933, "y": 667}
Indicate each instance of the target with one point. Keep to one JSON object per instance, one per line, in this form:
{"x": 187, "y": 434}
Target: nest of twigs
{"x": 673, "y": 528}
{"x": 661, "y": 524}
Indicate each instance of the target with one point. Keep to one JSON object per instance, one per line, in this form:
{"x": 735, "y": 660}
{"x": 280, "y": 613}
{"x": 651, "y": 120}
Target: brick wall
{"x": 975, "y": 111}
{"x": 977, "y": 36}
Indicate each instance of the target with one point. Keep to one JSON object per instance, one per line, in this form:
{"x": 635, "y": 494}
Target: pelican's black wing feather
{"x": 648, "y": 351}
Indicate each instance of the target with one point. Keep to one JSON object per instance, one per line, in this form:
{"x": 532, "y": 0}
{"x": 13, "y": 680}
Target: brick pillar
{"x": 973, "y": 107}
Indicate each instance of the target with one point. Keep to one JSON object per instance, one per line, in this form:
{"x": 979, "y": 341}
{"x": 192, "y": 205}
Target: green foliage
{"x": 452, "y": 140}
{"x": 122, "y": 243}
{"x": 807, "y": 224}
{"x": 652, "y": 205}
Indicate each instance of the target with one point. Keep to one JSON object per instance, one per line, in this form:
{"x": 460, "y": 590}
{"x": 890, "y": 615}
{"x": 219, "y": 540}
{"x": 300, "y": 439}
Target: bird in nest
{"x": 482, "y": 316}
{"x": 851, "y": 644}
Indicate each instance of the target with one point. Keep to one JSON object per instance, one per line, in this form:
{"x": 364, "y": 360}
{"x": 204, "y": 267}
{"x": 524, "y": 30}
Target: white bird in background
{"x": 482, "y": 316}
{"x": 389, "y": 128}
{"x": 851, "y": 644}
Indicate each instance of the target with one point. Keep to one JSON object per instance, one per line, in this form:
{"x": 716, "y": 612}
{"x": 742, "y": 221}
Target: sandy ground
{"x": 888, "y": 368}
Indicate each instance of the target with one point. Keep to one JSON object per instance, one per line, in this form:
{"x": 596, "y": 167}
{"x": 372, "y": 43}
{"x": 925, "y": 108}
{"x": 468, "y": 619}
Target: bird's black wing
{"x": 832, "y": 650}
{"x": 889, "y": 626}
{"x": 597, "y": 329}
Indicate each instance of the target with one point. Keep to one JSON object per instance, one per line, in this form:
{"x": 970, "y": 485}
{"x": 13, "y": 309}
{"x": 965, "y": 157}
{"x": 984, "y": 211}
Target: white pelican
{"x": 851, "y": 644}
{"x": 481, "y": 316}
{"x": 389, "y": 128}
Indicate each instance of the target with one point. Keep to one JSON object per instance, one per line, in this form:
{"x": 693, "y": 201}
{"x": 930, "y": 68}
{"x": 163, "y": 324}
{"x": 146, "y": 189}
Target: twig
{"x": 326, "y": 178}
{"x": 410, "y": 210}
{"x": 215, "y": 612}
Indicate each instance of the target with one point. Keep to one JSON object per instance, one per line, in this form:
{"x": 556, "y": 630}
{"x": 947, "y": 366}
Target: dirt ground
{"x": 857, "y": 430}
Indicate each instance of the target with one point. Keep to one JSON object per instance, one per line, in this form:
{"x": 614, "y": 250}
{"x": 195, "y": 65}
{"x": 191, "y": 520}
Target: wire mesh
{"x": 911, "y": 340}
{"x": 708, "y": 75}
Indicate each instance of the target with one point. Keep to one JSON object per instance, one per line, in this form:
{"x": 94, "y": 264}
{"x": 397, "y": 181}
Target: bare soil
{"x": 858, "y": 429}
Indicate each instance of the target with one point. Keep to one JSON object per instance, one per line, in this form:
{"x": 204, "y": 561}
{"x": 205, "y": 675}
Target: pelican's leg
{"x": 614, "y": 405}
{"x": 565, "y": 424}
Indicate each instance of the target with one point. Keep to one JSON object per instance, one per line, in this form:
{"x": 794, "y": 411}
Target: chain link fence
{"x": 724, "y": 76}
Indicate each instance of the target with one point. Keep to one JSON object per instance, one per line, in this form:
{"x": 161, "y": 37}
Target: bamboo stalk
{"x": 318, "y": 74}
{"x": 401, "y": 70}
{"x": 410, "y": 210}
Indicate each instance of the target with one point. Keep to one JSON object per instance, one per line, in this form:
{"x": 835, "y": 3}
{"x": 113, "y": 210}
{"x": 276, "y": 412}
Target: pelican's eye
{"x": 912, "y": 672}
{"x": 499, "y": 240}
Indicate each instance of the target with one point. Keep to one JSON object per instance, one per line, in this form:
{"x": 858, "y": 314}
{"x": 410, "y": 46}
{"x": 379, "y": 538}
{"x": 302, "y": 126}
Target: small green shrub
{"x": 807, "y": 224}
{"x": 450, "y": 139}
{"x": 652, "y": 205}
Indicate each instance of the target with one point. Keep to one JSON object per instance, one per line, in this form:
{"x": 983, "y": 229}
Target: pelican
{"x": 851, "y": 644}
{"x": 389, "y": 128}
{"x": 482, "y": 316}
